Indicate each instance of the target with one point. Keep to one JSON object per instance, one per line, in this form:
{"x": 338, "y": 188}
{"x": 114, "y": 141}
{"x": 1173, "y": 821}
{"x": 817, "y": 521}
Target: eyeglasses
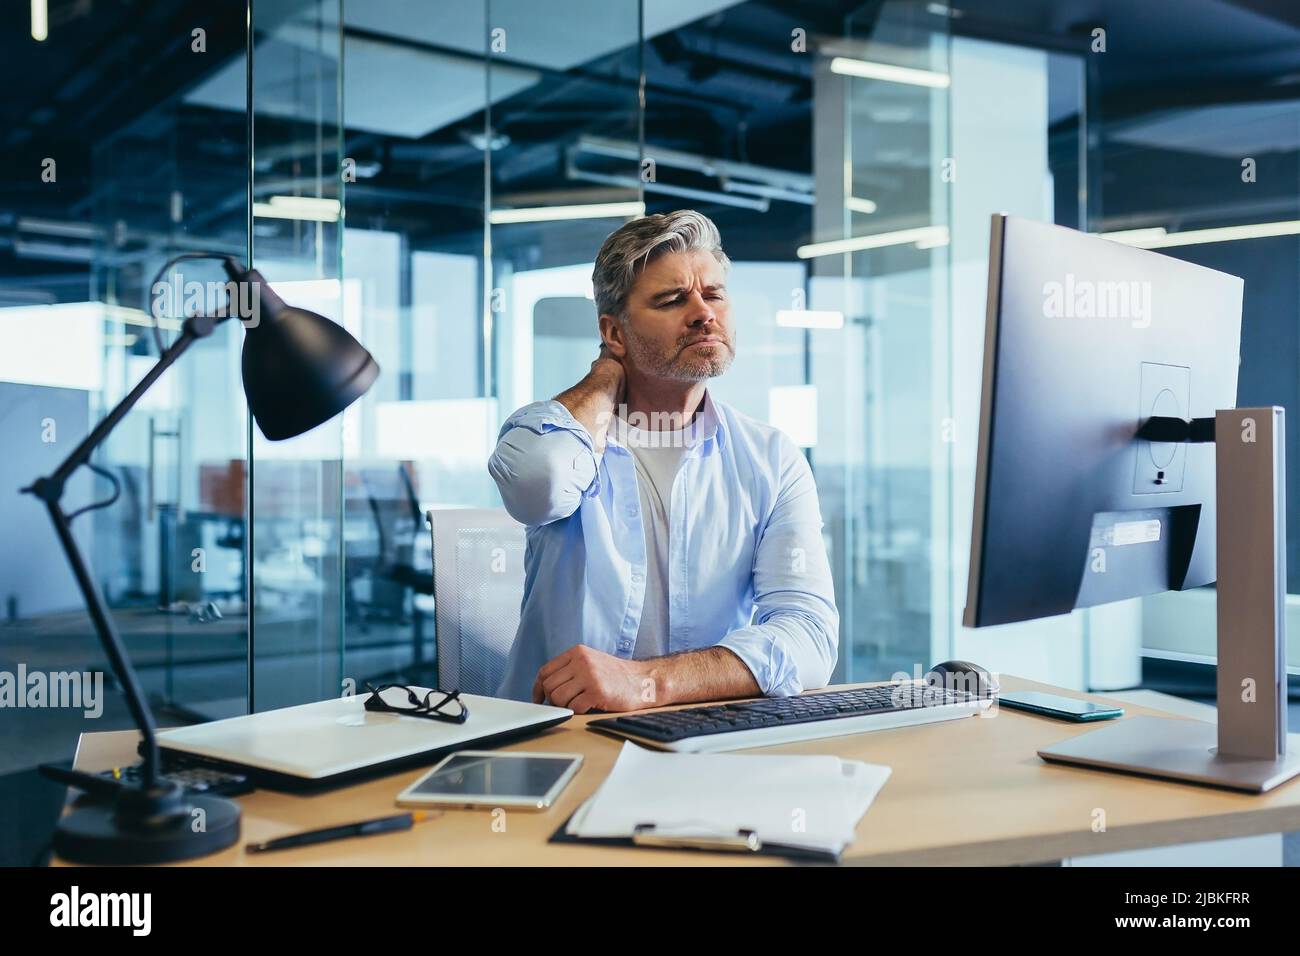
{"x": 401, "y": 699}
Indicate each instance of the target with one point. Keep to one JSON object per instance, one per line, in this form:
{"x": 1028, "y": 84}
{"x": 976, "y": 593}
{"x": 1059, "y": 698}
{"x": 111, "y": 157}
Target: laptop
{"x": 338, "y": 741}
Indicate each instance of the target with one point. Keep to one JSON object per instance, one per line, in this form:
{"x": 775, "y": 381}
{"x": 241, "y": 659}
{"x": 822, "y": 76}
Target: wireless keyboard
{"x": 777, "y": 720}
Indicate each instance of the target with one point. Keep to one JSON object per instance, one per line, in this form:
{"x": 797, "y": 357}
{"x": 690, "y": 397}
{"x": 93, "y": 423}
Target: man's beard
{"x": 681, "y": 364}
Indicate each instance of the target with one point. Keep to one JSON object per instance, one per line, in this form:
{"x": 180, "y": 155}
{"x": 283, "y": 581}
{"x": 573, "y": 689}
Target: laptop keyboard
{"x": 674, "y": 725}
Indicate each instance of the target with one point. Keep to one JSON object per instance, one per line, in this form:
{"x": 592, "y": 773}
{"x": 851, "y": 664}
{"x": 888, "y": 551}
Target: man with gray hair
{"x": 674, "y": 545}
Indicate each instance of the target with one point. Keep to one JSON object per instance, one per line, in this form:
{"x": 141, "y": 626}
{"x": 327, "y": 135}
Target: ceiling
{"x": 135, "y": 114}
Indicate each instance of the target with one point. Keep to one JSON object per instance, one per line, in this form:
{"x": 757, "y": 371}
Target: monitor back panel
{"x": 1087, "y": 338}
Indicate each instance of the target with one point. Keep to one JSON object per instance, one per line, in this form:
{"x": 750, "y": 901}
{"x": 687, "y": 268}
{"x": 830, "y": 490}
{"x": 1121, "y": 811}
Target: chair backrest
{"x": 478, "y": 584}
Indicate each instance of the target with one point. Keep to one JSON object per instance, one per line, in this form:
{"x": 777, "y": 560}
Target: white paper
{"x": 812, "y": 801}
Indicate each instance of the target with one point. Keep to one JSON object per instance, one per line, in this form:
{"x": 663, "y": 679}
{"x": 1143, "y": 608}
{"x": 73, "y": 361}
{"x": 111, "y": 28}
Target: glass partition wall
{"x": 438, "y": 178}
{"x": 926, "y": 122}
{"x": 298, "y": 517}
{"x": 110, "y": 171}
{"x": 448, "y": 222}
{"x": 880, "y": 258}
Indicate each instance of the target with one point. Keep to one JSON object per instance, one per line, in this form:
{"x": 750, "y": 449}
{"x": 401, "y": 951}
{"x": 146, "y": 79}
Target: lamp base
{"x": 158, "y": 826}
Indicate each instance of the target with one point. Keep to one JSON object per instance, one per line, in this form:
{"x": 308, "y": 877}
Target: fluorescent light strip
{"x": 1196, "y": 237}
{"x": 310, "y": 208}
{"x": 809, "y": 319}
{"x": 858, "y": 204}
{"x": 40, "y": 20}
{"x": 1135, "y": 236}
{"x": 870, "y": 70}
{"x": 930, "y": 236}
{"x": 598, "y": 210}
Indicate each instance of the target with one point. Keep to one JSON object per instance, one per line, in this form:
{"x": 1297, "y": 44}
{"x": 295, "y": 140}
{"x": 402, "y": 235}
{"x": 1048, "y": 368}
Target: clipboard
{"x": 743, "y": 841}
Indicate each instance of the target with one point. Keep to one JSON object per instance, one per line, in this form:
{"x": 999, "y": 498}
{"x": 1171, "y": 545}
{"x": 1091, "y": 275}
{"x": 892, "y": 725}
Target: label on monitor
{"x": 1135, "y": 532}
{"x": 1133, "y": 553}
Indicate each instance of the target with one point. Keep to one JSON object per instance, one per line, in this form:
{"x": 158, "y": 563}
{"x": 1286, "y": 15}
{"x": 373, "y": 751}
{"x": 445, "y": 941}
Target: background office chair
{"x": 387, "y": 571}
{"x": 478, "y": 583}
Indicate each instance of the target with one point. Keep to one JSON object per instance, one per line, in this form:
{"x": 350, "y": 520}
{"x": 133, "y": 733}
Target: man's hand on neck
{"x": 594, "y": 399}
{"x": 611, "y": 383}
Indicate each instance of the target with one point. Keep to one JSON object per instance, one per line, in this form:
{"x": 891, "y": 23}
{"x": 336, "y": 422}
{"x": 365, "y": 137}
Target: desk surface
{"x": 963, "y": 792}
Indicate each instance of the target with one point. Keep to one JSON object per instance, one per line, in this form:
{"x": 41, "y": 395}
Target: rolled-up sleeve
{"x": 793, "y": 643}
{"x": 544, "y": 464}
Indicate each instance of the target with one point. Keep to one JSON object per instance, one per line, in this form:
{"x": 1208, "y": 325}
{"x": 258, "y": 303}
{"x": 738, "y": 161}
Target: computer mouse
{"x": 963, "y": 675}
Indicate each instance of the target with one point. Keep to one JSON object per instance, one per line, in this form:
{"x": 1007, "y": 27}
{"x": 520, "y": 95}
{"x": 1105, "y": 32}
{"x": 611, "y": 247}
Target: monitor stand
{"x": 1250, "y": 748}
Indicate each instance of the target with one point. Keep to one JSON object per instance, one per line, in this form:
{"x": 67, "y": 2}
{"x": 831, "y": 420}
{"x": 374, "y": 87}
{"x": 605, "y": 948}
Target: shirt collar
{"x": 712, "y": 426}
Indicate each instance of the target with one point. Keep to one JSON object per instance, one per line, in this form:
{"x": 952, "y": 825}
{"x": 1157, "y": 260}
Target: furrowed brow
{"x": 666, "y": 294}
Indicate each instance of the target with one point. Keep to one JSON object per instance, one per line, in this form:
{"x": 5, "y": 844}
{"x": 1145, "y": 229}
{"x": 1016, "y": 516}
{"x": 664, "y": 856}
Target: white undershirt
{"x": 658, "y": 455}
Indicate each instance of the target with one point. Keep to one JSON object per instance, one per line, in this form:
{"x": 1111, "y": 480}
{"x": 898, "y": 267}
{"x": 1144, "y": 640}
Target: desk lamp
{"x": 299, "y": 370}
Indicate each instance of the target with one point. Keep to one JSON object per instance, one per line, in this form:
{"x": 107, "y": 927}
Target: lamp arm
{"x": 50, "y": 490}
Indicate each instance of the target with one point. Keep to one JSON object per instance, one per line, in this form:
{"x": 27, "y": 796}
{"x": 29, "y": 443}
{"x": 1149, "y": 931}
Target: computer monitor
{"x": 1094, "y": 349}
{"x": 1085, "y": 339}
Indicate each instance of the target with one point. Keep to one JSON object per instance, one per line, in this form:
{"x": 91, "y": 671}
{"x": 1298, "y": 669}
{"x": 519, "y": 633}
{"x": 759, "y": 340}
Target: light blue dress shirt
{"x": 747, "y": 566}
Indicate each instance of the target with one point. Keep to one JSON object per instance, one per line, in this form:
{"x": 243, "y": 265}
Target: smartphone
{"x": 482, "y": 778}
{"x": 1052, "y": 705}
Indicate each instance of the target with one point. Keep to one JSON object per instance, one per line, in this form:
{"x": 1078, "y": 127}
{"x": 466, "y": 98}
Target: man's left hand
{"x": 584, "y": 679}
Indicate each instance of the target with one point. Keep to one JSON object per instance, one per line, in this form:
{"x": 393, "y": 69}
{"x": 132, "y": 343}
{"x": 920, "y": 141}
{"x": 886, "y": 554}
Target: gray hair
{"x": 633, "y": 245}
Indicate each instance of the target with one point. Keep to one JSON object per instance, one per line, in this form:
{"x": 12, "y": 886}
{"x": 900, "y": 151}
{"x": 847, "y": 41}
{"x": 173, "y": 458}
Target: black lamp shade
{"x": 300, "y": 369}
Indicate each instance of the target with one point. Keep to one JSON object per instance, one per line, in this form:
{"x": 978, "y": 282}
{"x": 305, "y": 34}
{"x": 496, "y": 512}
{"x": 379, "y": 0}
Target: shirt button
{"x": 636, "y": 578}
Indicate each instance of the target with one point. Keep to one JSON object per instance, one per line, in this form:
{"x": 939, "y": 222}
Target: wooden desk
{"x": 963, "y": 792}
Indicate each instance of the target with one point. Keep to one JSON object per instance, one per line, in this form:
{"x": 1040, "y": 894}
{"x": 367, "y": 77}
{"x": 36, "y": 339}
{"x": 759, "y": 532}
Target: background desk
{"x": 963, "y": 792}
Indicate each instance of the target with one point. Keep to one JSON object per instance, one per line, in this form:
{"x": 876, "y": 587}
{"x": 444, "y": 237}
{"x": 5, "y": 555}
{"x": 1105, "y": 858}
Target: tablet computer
{"x": 483, "y": 778}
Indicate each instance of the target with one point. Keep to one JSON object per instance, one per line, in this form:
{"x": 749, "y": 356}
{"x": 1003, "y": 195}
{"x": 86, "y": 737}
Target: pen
{"x": 398, "y": 821}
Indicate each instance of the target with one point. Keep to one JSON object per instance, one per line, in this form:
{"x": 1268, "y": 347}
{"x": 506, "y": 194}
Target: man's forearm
{"x": 592, "y": 400}
{"x": 709, "y": 674}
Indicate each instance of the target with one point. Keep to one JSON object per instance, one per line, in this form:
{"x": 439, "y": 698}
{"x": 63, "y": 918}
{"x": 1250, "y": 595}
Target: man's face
{"x": 678, "y": 324}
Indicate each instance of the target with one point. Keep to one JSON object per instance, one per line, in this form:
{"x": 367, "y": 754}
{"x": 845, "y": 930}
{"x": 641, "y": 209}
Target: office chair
{"x": 390, "y": 564}
{"x": 478, "y": 584}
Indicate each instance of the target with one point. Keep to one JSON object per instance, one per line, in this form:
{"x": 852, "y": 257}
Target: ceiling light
{"x": 1134, "y": 236}
{"x": 871, "y": 70}
{"x": 596, "y": 210}
{"x": 40, "y": 20}
{"x": 299, "y": 207}
{"x": 931, "y": 235}
{"x": 1158, "y": 238}
{"x": 809, "y": 319}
